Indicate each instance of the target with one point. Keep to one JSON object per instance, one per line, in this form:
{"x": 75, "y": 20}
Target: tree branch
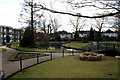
{"x": 79, "y": 15}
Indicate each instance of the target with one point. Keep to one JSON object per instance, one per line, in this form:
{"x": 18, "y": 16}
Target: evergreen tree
{"x": 7, "y": 38}
{"x": 27, "y": 40}
{"x": 76, "y": 36}
{"x": 91, "y": 34}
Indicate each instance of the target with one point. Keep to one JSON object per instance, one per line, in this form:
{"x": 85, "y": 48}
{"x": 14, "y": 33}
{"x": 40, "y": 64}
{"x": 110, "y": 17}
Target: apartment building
{"x": 14, "y": 35}
{"x": 18, "y": 35}
{"x": 6, "y": 31}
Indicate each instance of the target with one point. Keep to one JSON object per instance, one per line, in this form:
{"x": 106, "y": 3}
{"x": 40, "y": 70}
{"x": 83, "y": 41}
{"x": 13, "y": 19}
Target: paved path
{"x": 12, "y": 67}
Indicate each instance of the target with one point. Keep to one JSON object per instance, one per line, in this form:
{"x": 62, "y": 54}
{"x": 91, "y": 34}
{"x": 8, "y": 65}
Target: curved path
{"x": 12, "y": 67}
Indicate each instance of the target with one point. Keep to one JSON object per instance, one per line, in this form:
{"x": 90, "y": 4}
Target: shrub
{"x": 88, "y": 56}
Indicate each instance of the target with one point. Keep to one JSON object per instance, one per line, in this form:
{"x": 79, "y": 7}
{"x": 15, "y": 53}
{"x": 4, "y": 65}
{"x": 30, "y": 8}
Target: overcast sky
{"x": 10, "y": 10}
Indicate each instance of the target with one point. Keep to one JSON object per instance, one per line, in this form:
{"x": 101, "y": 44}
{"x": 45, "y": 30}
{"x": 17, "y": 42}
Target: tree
{"x": 77, "y": 24}
{"x": 91, "y": 34}
{"x": 57, "y": 37}
{"x": 86, "y": 3}
{"x": 99, "y": 25}
{"x": 27, "y": 17}
{"x": 27, "y": 40}
{"x": 54, "y": 24}
{"x": 42, "y": 39}
{"x": 7, "y": 38}
{"x": 117, "y": 21}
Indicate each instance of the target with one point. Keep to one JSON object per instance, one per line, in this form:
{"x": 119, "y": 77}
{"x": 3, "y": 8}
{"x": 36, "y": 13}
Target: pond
{"x": 59, "y": 46}
{"x": 110, "y": 53}
{"x": 55, "y": 46}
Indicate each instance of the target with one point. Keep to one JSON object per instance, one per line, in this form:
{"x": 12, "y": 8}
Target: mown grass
{"x": 117, "y": 43}
{"x": 75, "y": 44}
{"x": 112, "y": 42}
{"x": 16, "y": 56}
{"x": 70, "y": 67}
{"x": 16, "y": 46}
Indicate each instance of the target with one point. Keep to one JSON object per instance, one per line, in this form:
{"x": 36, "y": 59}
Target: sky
{"x": 10, "y": 10}
{"x": 9, "y": 13}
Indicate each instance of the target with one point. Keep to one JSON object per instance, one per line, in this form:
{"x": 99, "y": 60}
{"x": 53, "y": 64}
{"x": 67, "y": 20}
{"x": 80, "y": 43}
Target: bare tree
{"x": 86, "y": 3}
{"x": 99, "y": 25}
{"x": 77, "y": 24}
{"x": 27, "y": 16}
{"x": 117, "y": 22}
{"x": 55, "y": 24}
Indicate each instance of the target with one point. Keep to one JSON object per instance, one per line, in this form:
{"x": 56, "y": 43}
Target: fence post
{"x": 37, "y": 58}
{"x": 114, "y": 47}
{"x": 72, "y": 52}
{"x": 51, "y": 55}
{"x": 79, "y": 50}
{"x": 106, "y": 46}
{"x": 97, "y": 47}
{"x": 20, "y": 63}
{"x": 46, "y": 49}
{"x": 63, "y": 53}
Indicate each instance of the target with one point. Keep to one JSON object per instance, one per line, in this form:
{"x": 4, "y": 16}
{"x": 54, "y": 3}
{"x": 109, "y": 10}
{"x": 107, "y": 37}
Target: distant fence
{"x": 102, "y": 46}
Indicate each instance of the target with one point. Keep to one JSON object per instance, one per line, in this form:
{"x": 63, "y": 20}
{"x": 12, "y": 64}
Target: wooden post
{"x": 46, "y": 49}
{"x": 72, "y": 52}
{"x": 63, "y": 53}
{"x": 98, "y": 47}
{"x": 20, "y": 63}
{"x": 106, "y": 46}
{"x": 37, "y": 58}
{"x": 114, "y": 47}
{"x": 51, "y": 55}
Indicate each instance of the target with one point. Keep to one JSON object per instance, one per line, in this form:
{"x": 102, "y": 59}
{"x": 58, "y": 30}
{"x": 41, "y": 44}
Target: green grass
{"x": 69, "y": 67}
{"x": 111, "y": 42}
{"x": 15, "y": 57}
{"x": 16, "y": 46}
{"x": 75, "y": 44}
{"x": 2, "y": 49}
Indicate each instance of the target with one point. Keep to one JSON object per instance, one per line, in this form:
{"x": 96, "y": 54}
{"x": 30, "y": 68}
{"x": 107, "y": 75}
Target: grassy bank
{"x": 15, "y": 57}
{"x": 111, "y": 42}
{"x": 75, "y": 45}
{"x": 16, "y": 46}
{"x": 71, "y": 67}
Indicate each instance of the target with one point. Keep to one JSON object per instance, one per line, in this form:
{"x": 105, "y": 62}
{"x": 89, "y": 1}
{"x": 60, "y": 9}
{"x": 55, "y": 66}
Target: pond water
{"x": 110, "y": 53}
{"x": 59, "y": 46}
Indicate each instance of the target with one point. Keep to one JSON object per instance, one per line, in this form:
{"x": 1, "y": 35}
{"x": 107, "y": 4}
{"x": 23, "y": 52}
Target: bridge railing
{"x": 102, "y": 46}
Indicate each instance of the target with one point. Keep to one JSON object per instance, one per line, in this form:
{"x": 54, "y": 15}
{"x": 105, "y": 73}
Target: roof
{"x": 109, "y": 31}
{"x": 5, "y": 26}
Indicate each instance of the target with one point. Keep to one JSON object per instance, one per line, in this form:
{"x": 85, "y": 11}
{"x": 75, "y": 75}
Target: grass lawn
{"x": 75, "y": 44}
{"x": 2, "y": 49}
{"x": 70, "y": 67}
{"x": 16, "y": 46}
{"x": 112, "y": 42}
{"x": 15, "y": 57}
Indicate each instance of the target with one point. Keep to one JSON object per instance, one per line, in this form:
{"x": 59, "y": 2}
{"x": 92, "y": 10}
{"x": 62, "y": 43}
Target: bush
{"x": 88, "y": 56}
{"x": 28, "y": 38}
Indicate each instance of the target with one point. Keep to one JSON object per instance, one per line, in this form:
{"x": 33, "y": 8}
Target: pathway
{"x": 12, "y": 67}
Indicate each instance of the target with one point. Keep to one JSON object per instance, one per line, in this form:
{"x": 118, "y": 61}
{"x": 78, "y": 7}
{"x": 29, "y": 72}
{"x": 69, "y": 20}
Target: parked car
{"x": 2, "y": 74}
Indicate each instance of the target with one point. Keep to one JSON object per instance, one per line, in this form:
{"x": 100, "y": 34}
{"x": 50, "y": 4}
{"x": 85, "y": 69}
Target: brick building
{"x": 4, "y": 32}
{"x": 15, "y": 35}
{"x": 18, "y": 35}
